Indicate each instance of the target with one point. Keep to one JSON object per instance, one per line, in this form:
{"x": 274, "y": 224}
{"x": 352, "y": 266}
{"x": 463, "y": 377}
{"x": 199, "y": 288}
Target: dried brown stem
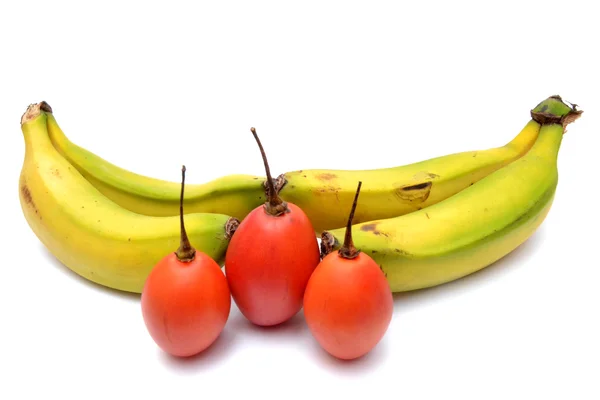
{"x": 274, "y": 205}
{"x": 185, "y": 252}
{"x": 348, "y": 250}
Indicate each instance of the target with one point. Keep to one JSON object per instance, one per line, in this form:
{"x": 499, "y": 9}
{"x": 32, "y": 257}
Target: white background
{"x": 150, "y": 86}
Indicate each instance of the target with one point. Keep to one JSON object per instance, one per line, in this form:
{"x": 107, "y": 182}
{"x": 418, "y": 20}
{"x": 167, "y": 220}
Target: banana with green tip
{"x": 392, "y": 192}
{"x": 473, "y": 228}
{"x": 89, "y": 233}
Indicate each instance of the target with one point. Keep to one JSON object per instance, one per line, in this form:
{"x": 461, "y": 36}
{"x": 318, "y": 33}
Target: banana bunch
{"x": 425, "y": 223}
{"x": 91, "y": 234}
{"x": 475, "y": 227}
{"x": 321, "y": 193}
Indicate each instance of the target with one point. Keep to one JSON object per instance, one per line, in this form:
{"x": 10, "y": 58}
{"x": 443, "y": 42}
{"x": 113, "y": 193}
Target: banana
{"x": 92, "y": 235}
{"x": 235, "y": 195}
{"x": 473, "y": 228}
{"x": 387, "y": 192}
{"x": 391, "y": 192}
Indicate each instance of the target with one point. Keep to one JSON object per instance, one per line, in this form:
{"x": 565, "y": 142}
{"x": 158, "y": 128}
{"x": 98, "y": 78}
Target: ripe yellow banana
{"x": 391, "y": 192}
{"x": 387, "y": 192}
{"x": 235, "y": 195}
{"x": 473, "y": 228}
{"x": 90, "y": 234}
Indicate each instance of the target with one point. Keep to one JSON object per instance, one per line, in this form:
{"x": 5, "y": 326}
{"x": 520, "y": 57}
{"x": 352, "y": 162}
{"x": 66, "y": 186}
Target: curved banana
{"x": 473, "y": 228}
{"x": 391, "y": 192}
{"x": 90, "y": 234}
{"x": 234, "y": 195}
{"x": 387, "y": 192}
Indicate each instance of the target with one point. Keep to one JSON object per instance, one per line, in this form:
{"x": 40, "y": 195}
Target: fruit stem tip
{"x": 348, "y": 250}
{"x": 34, "y": 110}
{"x": 274, "y": 205}
{"x": 185, "y": 252}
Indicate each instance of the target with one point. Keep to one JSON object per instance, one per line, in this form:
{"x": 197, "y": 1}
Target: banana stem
{"x": 34, "y": 110}
{"x": 348, "y": 250}
{"x": 554, "y": 110}
{"x": 274, "y": 205}
{"x": 185, "y": 252}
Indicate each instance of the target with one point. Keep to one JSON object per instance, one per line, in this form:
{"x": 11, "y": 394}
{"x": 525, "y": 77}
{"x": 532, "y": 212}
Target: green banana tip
{"x": 34, "y": 110}
{"x": 554, "y": 110}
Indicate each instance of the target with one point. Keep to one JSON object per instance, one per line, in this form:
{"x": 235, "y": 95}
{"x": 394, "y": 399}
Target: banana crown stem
{"x": 34, "y": 110}
{"x": 554, "y": 110}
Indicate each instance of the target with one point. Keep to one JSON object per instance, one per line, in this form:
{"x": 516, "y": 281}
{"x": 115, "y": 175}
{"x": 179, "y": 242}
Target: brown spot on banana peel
{"x": 402, "y": 252}
{"x": 417, "y": 193}
{"x": 424, "y": 176}
{"x": 328, "y": 189}
{"x": 369, "y": 227}
{"x": 419, "y": 186}
{"x": 26, "y": 194}
{"x": 326, "y": 176}
{"x": 372, "y": 227}
{"x": 382, "y": 270}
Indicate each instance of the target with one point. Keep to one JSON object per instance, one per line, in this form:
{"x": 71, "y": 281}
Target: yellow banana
{"x": 473, "y": 228}
{"x": 391, "y": 192}
{"x": 235, "y": 195}
{"x": 387, "y": 192}
{"x": 92, "y": 235}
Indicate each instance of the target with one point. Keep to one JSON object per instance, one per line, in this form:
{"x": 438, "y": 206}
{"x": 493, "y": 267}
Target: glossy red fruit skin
{"x": 348, "y": 305}
{"x": 268, "y": 263}
{"x": 185, "y": 305}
